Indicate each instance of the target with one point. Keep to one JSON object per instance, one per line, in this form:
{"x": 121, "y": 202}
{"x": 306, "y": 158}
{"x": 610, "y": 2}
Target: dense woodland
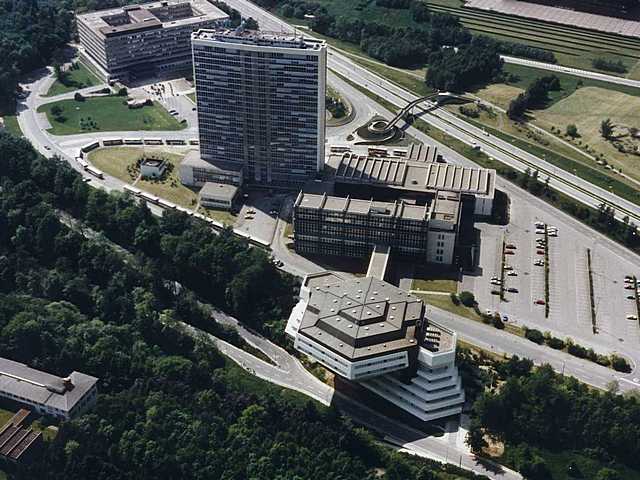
{"x": 539, "y": 408}
{"x": 169, "y": 406}
{"x": 457, "y": 59}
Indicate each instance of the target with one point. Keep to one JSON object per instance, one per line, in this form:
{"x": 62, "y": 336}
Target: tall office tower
{"x": 261, "y": 104}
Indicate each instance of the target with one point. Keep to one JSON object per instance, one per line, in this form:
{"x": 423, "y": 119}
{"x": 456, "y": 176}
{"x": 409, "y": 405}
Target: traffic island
{"x": 594, "y": 327}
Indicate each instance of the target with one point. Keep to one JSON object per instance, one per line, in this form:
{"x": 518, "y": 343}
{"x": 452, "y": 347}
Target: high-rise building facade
{"x": 261, "y": 104}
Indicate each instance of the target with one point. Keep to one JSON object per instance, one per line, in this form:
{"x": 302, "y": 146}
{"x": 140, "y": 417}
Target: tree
{"x": 467, "y": 298}
{"x": 78, "y": 97}
{"x": 606, "y": 129}
{"x": 251, "y": 24}
{"x": 123, "y": 92}
{"x": 572, "y": 130}
{"x": 607, "y": 474}
{"x": 475, "y": 438}
{"x": 56, "y": 110}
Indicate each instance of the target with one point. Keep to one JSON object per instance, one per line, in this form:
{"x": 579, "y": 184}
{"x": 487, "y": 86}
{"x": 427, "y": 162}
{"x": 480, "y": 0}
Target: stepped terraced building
{"x": 137, "y": 41}
{"x": 372, "y": 333}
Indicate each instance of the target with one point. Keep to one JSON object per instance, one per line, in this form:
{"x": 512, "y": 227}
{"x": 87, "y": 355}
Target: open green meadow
{"x": 76, "y": 79}
{"x": 106, "y": 114}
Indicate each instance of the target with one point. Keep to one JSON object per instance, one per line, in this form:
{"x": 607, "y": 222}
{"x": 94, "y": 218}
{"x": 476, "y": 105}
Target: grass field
{"x": 192, "y": 96}
{"x": 11, "y": 124}
{"x": 76, "y": 79}
{"x": 575, "y": 47}
{"x": 117, "y": 162}
{"x": 435, "y": 285}
{"x": 444, "y": 302}
{"x": 109, "y": 114}
{"x": 499, "y": 94}
{"x": 587, "y": 108}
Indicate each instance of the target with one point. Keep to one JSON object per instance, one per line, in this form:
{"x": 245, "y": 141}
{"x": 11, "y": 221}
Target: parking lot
{"x": 569, "y": 298}
{"x": 258, "y": 216}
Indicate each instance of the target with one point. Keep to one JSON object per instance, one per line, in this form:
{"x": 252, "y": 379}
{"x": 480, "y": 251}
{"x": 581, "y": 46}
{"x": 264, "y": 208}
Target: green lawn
{"x": 568, "y": 83}
{"x": 192, "y": 96}
{"x": 5, "y": 416}
{"x": 107, "y": 114}
{"x": 444, "y": 302}
{"x": 119, "y": 162}
{"x": 11, "y": 124}
{"x": 76, "y": 79}
{"x": 435, "y": 285}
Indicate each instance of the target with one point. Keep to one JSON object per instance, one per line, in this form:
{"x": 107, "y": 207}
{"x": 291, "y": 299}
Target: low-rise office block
{"x": 218, "y": 195}
{"x": 135, "y": 41}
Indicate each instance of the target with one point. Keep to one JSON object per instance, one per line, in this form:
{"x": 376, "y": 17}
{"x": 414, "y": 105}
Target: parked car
{"x": 539, "y": 263}
{"x": 632, "y": 317}
{"x": 509, "y": 252}
{"x": 553, "y": 234}
{"x": 630, "y": 287}
{"x": 539, "y": 232}
{"x": 539, "y": 302}
{"x": 495, "y": 292}
{"x": 508, "y": 267}
{"x": 510, "y": 245}
{"x": 540, "y": 252}
{"x": 512, "y": 273}
{"x": 631, "y": 297}
{"x": 539, "y": 224}
{"x": 512, "y": 290}
{"x": 496, "y": 282}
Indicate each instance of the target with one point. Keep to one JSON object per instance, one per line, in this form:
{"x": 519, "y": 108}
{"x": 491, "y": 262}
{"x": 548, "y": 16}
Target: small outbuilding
{"x": 152, "y": 167}
{"x": 218, "y": 195}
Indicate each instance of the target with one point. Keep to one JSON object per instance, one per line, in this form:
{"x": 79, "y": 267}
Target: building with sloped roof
{"x": 48, "y": 394}
{"x": 369, "y": 332}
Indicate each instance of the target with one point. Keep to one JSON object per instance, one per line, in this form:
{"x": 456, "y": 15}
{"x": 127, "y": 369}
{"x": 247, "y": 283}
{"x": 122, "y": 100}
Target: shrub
{"x": 497, "y": 322}
{"x": 620, "y": 364}
{"x": 123, "y": 92}
{"x": 454, "y": 299}
{"x": 467, "y": 298}
{"x": 556, "y": 343}
{"x": 534, "y": 335}
{"x": 577, "y": 351}
{"x": 572, "y": 130}
{"x": 78, "y": 97}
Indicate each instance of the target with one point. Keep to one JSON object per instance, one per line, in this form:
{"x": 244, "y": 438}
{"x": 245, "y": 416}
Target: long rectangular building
{"x": 338, "y": 226}
{"x": 133, "y": 41}
{"x": 408, "y": 176}
{"x": 48, "y": 394}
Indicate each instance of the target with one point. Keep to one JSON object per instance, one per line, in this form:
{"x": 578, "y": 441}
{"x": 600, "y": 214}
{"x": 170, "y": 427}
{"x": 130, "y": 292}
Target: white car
{"x": 512, "y": 273}
{"x": 539, "y": 232}
{"x": 631, "y": 317}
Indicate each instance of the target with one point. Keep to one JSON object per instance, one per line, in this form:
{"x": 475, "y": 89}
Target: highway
{"x": 561, "y": 180}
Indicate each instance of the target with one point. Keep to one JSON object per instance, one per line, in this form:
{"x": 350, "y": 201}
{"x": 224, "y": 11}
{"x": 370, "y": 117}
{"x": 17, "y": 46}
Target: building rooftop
{"x": 258, "y": 37}
{"x": 153, "y": 162}
{"x": 193, "y": 159}
{"x": 366, "y": 317}
{"x": 145, "y": 16}
{"x": 44, "y": 388}
{"x": 219, "y": 190}
{"x": 439, "y": 208}
{"x": 404, "y": 174}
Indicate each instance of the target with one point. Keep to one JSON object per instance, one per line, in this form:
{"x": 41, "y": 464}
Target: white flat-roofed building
{"x": 261, "y": 103}
{"x": 370, "y": 332}
{"x": 195, "y": 172}
{"x": 218, "y": 195}
{"x": 47, "y": 394}
{"x": 142, "y": 40}
{"x": 152, "y": 167}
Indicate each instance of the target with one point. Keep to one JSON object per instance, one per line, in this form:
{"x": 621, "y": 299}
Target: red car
{"x": 539, "y": 302}
{"x": 540, "y": 252}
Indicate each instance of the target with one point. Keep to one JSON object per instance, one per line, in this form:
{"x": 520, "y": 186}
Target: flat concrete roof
{"x": 43, "y": 388}
{"x": 416, "y": 176}
{"x": 219, "y": 190}
{"x": 193, "y": 159}
{"x": 363, "y": 207}
{"x": 258, "y": 37}
{"x": 144, "y": 16}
